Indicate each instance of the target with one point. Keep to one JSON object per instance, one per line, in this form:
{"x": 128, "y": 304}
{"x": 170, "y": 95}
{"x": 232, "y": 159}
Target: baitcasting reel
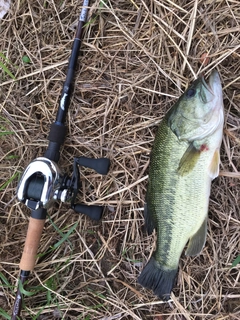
{"x": 43, "y": 182}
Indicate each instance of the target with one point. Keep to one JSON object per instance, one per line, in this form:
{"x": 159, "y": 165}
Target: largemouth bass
{"x": 184, "y": 160}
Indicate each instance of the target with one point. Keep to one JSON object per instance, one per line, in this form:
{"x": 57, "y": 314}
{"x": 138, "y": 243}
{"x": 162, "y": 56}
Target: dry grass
{"x": 137, "y": 57}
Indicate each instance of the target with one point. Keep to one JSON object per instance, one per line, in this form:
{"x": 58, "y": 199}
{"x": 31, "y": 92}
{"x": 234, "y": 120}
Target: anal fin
{"x": 197, "y": 242}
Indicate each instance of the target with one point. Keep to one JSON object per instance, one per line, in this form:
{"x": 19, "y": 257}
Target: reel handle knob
{"x": 100, "y": 165}
{"x": 93, "y": 212}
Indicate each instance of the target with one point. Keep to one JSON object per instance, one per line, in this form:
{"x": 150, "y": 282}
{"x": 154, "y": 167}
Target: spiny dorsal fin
{"x": 197, "y": 241}
{"x": 188, "y": 160}
{"x": 214, "y": 165}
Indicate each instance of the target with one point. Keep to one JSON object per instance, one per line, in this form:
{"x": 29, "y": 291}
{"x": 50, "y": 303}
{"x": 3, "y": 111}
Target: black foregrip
{"x": 57, "y": 133}
{"x": 53, "y": 151}
{"x": 56, "y": 139}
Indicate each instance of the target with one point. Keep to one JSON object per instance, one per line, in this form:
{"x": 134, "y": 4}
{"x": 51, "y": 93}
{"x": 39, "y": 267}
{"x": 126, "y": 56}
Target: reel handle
{"x": 93, "y": 212}
{"x": 100, "y": 165}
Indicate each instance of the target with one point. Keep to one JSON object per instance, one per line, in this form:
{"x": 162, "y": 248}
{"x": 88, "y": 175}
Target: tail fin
{"x": 161, "y": 281}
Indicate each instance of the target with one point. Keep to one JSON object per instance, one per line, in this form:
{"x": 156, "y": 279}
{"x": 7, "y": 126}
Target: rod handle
{"x": 32, "y": 241}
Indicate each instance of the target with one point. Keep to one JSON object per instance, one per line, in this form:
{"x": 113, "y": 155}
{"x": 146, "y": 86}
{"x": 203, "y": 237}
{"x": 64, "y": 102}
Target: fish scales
{"x": 188, "y": 196}
{"x": 184, "y": 160}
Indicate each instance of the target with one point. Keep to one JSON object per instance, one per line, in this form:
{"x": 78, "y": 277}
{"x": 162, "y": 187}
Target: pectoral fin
{"x": 188, "y": 160}
{"x": 197, "y": 241}
{"x": 214, "y": 165}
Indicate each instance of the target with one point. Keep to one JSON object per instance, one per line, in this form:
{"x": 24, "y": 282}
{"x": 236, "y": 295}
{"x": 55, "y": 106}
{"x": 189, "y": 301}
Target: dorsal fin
{"x": 148, "y": 219}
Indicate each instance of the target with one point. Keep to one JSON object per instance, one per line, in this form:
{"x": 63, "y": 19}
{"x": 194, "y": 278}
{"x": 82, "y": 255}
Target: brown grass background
{"x": 137, "y": 57}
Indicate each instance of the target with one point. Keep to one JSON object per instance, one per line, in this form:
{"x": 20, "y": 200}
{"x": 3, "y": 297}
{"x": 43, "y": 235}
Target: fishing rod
{"x": 43, "y": 182}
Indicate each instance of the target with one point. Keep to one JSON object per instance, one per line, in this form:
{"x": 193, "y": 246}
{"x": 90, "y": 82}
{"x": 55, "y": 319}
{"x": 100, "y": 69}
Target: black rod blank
{"x": 58, "y": 129}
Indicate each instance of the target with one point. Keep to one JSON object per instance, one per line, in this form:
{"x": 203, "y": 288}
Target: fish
{"x": 184, "y": 160}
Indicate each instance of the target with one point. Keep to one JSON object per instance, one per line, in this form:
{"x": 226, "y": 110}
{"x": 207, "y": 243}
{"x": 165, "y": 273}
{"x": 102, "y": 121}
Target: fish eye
{"x": 190, "y": 93}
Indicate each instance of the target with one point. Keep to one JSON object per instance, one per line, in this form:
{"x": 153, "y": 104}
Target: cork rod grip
{"x": 32, "y": 241}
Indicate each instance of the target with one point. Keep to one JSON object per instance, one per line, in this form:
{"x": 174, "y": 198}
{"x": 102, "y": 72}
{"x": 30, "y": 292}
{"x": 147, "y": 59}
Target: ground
{"x": 136, "y": 58}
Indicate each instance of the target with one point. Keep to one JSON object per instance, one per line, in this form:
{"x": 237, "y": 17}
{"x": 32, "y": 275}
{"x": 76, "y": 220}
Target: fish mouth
{"x": 214, "y": 83}
{"x": 213, "y": 97}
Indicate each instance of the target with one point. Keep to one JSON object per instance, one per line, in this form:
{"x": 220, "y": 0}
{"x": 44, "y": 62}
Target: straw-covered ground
{"x": 136, "y": 58}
